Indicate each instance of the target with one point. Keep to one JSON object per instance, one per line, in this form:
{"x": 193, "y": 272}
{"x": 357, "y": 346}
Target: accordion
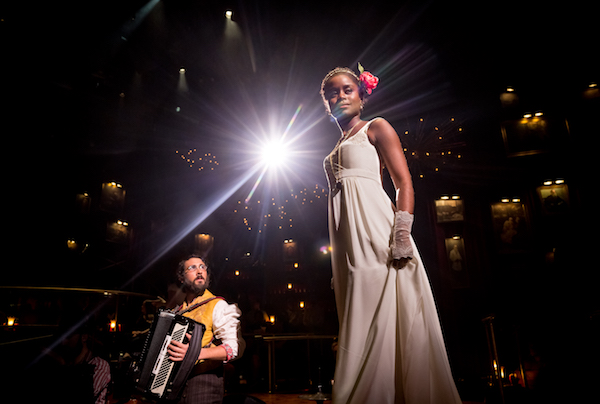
{"x": 157, "y": 375}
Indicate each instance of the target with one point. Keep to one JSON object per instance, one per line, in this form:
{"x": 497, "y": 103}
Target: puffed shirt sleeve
{"x": 226, "y": 328}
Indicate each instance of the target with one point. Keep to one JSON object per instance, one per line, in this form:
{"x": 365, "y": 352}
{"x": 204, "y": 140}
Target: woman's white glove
{"x": 401, "y": 245}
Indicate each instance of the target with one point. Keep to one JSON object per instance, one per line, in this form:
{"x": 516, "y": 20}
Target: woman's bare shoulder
{"x": 380, "y": 128}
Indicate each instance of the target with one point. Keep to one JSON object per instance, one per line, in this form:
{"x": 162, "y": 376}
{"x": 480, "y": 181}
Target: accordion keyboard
{"x": 164, "y": 366}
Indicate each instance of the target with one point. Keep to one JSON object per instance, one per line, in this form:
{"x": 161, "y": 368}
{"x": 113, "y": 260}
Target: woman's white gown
{"x": 391, "y": 348}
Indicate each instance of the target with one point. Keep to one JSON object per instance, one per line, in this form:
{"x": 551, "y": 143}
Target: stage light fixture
{"x": 228, "y": 14}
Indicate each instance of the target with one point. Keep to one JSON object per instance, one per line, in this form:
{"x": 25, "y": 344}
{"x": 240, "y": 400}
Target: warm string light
{"x": 429, "y": 148}
{"x": 277, "y": 213}
{"x": 198, "y": 160}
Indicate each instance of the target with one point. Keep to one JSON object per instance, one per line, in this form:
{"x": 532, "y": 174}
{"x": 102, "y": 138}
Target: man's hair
{"x": 181, "y": 267}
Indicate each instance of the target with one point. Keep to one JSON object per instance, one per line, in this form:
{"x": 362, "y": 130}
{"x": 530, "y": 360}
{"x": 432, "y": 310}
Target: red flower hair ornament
{"x": 367, "y": 80}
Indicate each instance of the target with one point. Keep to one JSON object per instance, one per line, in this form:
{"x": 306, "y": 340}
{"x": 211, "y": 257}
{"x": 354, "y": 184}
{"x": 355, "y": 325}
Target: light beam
{"x": 206, "y": 211}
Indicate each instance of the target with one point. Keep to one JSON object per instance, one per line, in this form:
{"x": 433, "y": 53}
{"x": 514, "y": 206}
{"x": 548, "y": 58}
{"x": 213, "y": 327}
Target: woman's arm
{"x": 385, "y": 139}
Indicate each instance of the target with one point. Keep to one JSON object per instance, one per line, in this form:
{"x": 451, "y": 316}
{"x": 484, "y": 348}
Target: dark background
{"x": 92, "y": 96}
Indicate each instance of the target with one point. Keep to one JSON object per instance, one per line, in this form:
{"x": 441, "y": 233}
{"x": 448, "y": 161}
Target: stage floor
{"x": 290, "y": 398}
{"x": 280, "y": 398}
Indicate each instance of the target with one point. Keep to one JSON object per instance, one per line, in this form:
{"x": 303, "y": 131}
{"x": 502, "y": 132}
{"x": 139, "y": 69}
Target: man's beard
{"x": 192, "y": 287}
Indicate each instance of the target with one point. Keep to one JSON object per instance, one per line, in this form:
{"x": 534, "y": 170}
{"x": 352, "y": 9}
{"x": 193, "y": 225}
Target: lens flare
{"x": 249, "y": 197}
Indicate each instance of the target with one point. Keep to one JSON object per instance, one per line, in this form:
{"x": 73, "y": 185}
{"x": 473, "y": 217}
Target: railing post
{"x": 271, "y": 360}
{"x": 493, "y": 352}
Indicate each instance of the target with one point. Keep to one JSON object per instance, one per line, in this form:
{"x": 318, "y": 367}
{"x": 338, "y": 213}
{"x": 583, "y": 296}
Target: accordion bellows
{"x": 160, "y": 377}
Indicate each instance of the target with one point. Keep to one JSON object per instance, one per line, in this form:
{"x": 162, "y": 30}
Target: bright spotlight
{"x": 229, "y": 14}
{"x": 274, "y": 154}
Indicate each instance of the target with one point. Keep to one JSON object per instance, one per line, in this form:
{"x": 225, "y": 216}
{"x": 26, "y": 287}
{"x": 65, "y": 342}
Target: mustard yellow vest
{"x": 204, "y": 315}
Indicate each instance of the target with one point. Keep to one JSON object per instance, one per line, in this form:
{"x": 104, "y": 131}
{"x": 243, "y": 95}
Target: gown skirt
{"x": 391, "y": 348}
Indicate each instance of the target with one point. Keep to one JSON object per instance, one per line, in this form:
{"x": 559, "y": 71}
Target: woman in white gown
{"x": 391, "y": 348}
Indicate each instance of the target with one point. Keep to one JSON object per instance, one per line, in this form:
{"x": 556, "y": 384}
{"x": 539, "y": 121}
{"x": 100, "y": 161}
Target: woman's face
{"x": 343, "y": 97}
